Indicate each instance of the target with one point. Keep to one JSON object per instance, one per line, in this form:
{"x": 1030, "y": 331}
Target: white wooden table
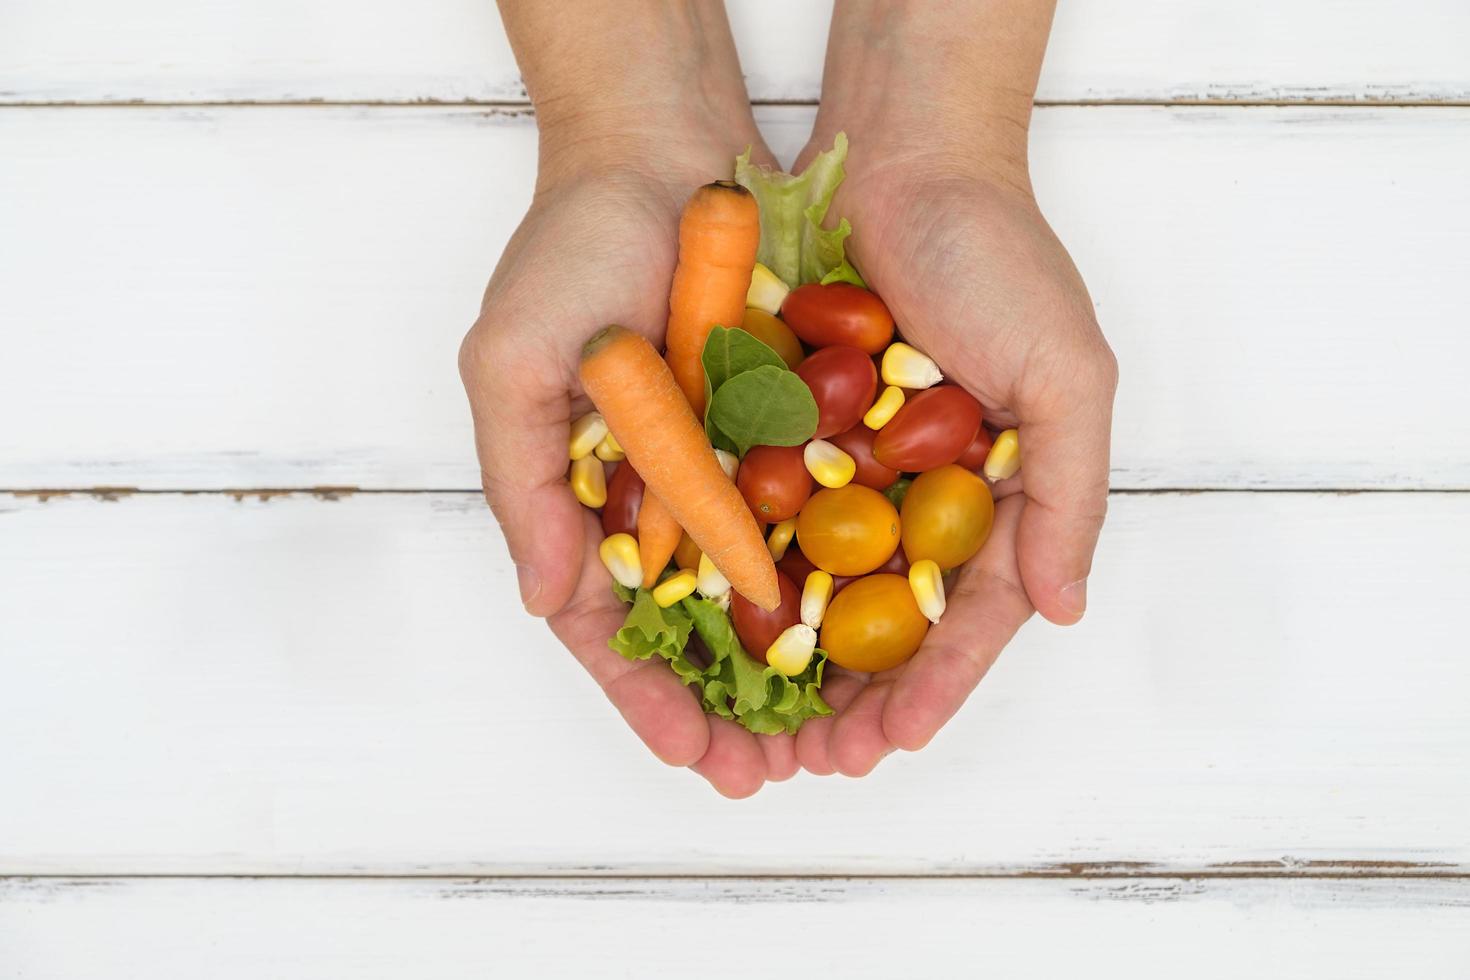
{"x": 255, "y": 734}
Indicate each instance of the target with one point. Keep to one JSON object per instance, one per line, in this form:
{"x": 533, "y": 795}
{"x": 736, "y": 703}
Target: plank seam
{"x": 524, "y": 108}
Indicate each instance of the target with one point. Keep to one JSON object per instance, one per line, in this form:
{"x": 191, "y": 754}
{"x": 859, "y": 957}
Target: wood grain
{"x": 211, "y": 298}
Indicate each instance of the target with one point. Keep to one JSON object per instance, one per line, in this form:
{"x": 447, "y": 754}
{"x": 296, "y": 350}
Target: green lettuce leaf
{"x": 793, "y": 244}
{"x": 649, "y": 629}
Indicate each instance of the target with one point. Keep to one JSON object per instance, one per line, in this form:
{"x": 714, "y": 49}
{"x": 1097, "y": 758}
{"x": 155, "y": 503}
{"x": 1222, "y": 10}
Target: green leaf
{"x": 649, "y": 629}
{"x": 767, "y": 406}
{"x": 793, "y": 243}
{"x": 897, "y": 490}
{"x": 729, "y": 351}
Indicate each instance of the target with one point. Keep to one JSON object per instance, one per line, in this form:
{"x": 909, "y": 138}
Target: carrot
{"x": 719, "y": 233}
{"x": 658, "y": 536}
{"x": 636, "y": 393}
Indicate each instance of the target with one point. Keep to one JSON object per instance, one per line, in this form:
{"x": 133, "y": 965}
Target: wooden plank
{"x": 438, "y": 929}
{"x": 455, "y": 50}
{"x": 274, "y": 297}
{"x": 199, "y": 685}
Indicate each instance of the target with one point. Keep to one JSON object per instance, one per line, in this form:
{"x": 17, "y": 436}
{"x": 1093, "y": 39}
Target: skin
{"x": 640, "y": 102}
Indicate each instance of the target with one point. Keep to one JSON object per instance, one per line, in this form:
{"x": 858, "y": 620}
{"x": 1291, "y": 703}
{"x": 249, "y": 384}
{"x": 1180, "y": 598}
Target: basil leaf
{"x": 767, "y": 406}
{"x": 729, "y": 351}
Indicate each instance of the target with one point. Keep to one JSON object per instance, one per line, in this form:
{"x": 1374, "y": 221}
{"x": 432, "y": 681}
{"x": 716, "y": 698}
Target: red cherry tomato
{"x": 838, "y": 313}
{"x": 932, "y": 429}
{"x": 897, "y": 565}
{"x": 624, "y": 497}
{"x": 974, "y": 455}
{"x": 843, "y": 382}
{"x": 857, "y": 442}
{"x": 774, "y": 481}
{"x": 797, "y": 567}
{"x": 757, "y": 628}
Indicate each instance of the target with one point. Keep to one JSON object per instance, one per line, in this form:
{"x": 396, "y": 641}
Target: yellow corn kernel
{"x": 885, "y": 408}
{"x": 767, "y": 292}
{"x": 904, "y": 367}
{"x": 793, "y": 649}
{"x": 815, "y": 595}
{"x": 710, "y": 581}
{"x": 828, "y": 465}
{"x": 723, "y": 601}
{"x": 780, "y": 538}
{"x": 589, "y": 481}
{"x": 619, "y": 552}
{"x": 729, "y": 462}
{"x": 587, "y": 432}
{"x": 928, "y": 587}
{"x": 1004, "y": 459}
{"x": 609, "y": 451}
{"x": 674, "y": 588}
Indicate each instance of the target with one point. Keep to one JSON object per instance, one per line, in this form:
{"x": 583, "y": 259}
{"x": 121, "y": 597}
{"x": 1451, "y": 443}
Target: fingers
{"x": 522, "y": 414}
{"x": 1064, "y": 460}
{"x": 780, "y": 752}
{"x": 734, "y": 763}
{"x": 986, "y": 605}
{"x": 858, "y": 742}
{"x": 839, "y": 688}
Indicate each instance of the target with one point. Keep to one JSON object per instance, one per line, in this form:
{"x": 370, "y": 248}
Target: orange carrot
{"x": 719, "y": 233}
{"x": 658, "y": 536}
{"x": 636, "y": 393}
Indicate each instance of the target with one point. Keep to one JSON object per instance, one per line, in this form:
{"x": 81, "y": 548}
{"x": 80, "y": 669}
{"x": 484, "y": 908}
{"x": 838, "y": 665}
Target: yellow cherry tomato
{"x": 774, "y": 334}
{"x": 851, "y": 530}
{"x": 873, "y": 624}
{"x": 947, "y": 515}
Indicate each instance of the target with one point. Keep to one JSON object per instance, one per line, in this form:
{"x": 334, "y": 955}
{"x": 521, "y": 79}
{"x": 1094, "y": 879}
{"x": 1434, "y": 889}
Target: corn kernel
{"x": 885, "y": 408}
{"x": 619, "y": 552}
{"x": 710, "y": 581}
{"x": 723, "y": 601}
{"x": 609, "y": 451}
{"x": 928, "y": 587}
{"x": 767, "y": 292}
{"x": 780, "y": 538}
{"x": 904, "y": 367}
{"x": 815, "y": 595}
{"x": 674, "y": 588}
{"x": 589, "y": 481}
{"x": 729, "y": 462}
{"x": 587, "y": 432}
{"x": 793, "y": 649}
{"x": 1005, "y": 456}
{"x": 828, "y": 465}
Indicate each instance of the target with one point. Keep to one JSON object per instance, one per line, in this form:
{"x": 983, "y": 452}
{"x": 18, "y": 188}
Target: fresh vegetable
{"x": 687, "y": 553}
{"x": 1004, "y": 459}
{"x": 828, "y": 465}
{"x": 947, "y": 514}
{"x": 905, "y": 367}
{"x": 718, "y": 235}
{"x": 898, "y": 564}
{"x": 766, "y": 292}
{"x": 974, "y": 455}
{"x": 710, "y": 581}
{"x": 757, "y": 627}
{"x": 874, "y": 624}
{"x": 645, "y": 409}
{"x": 619, "y": 553}
{"x": 774, "y": 481}
{"x": 932, "y": 429}
{"x": 677, "y": 586}
{"x": 589, "y": 481}
{"x": 608, "y": 450}
{"x": 624, "y": 498}
{"x": 843, "y": 381}
{"x": 755, "y": 400}
{"x": 658, "y": 536}
{"x": 793, "y": 649}
{"x": 587, "y": 432}
{"x": 798, "y": 567}
{"x": 857, "y": 442}
{"x": 885, "y": 408}
{"x": 793, "y": 243}
{"x": 815, "y": 595}
{"x": 780, "y": 538}
{"x": 838, "y": 313}
{"x": 775, "y": 335}
{"x": 848, "y": 531}
{"x": 898, "y": 490}
{"x": 927, "y": 584}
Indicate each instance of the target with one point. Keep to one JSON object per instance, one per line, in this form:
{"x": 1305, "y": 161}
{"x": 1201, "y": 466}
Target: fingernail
{"x": 530, "y": 582}
{"x": 1074, "y": 597}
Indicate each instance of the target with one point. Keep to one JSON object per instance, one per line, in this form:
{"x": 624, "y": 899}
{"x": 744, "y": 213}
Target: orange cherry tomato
{"x": 758, "y": 628}
{"x": 933, "y": 428}
{"x": 686, "y": 552}
{"x": 947, "y": 515}
{"x": 624, "y": 497}
{"x": 848, "y": 531}
{"x": 844, "y": 383}
{"x": 838, "y": 313}
{"x": 857, "y": 442}
{"x": 774, "y": 334}
{"x": 774, "y": 481}
{"x": 798, "y": 566}
{"x": 874, "y": 624}
{"x": 974, "y": 455}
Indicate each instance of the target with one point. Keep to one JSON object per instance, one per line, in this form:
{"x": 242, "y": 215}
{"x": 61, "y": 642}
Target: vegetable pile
{"x": 789, "y": 483}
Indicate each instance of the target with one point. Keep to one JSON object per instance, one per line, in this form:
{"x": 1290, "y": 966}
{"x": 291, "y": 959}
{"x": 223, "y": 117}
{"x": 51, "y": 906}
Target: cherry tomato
{"x": 624, "y": 497}
{"x": 848, "y": 531}
{"x": 897, "y": 565}
{"x": 774, "y": 481}
{"x": 932, "y": 429}
{"x": 974, "y": 455}
{"x": 686, "y": 552}
{"x": 838, "y": 313}
{"x": 844, "y": 383}
{"x": 799, "y": 566}
{"x": 774, "y": 334}
{"x": 874, "y": 624}
{"x": 857, "y": 442}
{"x": 946, "y": 516}
{"x": 757, "y": 628}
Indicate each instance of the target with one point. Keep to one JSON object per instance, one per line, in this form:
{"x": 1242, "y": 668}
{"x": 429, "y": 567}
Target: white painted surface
{"x": 199, "y": 298}
{"x": 196, "y": 685}
{"x": 453, "y": 50}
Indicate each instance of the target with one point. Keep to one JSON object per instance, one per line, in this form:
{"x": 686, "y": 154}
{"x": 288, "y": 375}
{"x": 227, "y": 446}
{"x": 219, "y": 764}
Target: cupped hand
{"x": 598, "y": 246}
{"x": 975, "y": 277}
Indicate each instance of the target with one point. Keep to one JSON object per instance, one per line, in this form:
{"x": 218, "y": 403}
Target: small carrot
{"x": 658, "y": 536}
{"x": 636, "y": 393}
{"x": 719, "y": 233}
